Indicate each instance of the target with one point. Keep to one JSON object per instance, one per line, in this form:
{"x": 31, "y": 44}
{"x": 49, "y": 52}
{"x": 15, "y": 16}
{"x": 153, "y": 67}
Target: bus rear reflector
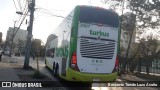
{"x": 74, "y": 62}
{"x": 74, "y": 58}
{"x": 116, "y": 65}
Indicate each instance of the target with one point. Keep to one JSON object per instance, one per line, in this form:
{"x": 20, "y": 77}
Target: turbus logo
{"x": 99, "y": 33}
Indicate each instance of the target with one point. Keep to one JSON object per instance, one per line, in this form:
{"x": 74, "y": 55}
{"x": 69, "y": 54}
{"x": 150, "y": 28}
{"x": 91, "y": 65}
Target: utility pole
{"x": 120, "y": 64}
{"x": 29, "y": 36}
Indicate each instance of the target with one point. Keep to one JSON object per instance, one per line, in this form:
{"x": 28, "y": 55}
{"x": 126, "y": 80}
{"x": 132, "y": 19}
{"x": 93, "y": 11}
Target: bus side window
{"x": 52, "y": 53}
{"x": 48, "y": 53}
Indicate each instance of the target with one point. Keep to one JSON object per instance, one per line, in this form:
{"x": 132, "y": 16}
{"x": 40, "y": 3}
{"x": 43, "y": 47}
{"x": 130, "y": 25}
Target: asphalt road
{"x": 66, "y": 85}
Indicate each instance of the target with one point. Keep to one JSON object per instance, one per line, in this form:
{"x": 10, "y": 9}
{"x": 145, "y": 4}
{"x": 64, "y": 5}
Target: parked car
{"x": 6, "y": 52}
{"x": 1, "y": 51}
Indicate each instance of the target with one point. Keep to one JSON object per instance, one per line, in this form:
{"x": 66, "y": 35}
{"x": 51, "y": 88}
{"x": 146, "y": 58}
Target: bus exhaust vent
{"x": 91, "y": 49}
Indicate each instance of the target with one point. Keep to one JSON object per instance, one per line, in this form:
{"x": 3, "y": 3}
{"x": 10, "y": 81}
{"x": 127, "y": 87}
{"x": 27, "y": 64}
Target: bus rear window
{"x": 99, "y": 16}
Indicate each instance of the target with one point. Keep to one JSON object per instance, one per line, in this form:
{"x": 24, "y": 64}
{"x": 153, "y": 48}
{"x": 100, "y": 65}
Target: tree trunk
{"x": 139, "y": 65}
{"x": 147, "y": 67}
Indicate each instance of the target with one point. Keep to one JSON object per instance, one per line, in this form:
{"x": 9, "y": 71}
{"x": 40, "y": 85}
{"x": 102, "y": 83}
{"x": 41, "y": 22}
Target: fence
{"x": 141, "y": 66}
{"x": 153, "y": 66}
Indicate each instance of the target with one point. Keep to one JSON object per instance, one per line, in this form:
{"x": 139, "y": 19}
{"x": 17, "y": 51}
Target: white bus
{"x": 84, "y": 46}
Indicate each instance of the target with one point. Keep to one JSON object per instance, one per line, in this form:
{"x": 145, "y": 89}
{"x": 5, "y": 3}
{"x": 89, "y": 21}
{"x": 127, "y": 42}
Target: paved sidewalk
{"x": 130, "y": 77}
{"x": 7, "y": 73}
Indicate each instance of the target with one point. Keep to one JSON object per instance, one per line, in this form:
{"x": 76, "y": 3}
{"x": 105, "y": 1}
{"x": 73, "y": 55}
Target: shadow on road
{"x": 72, "y": 85}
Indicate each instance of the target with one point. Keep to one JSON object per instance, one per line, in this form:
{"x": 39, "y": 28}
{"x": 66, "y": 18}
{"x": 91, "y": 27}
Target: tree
{"x": 114, "y": 4}
{"x": 147, "y": 11}
{"x": 128, "y": 25}
{"x": 21, "y": 45}
{"x": 147, "y": 18}
{"x": 148, "y": 14}
{"x": 149, "y": 51}
{"x": 35, "y": 45}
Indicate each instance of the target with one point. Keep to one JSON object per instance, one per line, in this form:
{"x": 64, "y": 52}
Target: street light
{"x": 20, "y": 13}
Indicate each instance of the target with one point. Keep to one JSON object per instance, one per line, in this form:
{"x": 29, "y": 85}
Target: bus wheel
{"x": 45, "y": 63}
{"x": 56, "y": 73}
{"x": 53, "y": 69}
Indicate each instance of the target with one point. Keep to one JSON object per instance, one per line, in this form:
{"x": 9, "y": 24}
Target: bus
{"x": 84, "y": 46}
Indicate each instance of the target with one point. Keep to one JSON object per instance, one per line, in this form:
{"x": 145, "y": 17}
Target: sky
{"x": 43, "y": 24}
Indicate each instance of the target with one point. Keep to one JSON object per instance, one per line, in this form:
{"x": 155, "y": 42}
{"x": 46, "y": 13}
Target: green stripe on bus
{"x": 74, "y": 32}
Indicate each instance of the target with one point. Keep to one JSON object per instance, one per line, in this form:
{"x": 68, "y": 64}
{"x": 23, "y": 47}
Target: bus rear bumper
{"x": 79, "y": 76}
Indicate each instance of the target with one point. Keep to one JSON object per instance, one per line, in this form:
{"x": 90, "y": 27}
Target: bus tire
{"x": 53, "y": 69}
{"x": 56, "y": 73}
{"x": 45, "y": 63}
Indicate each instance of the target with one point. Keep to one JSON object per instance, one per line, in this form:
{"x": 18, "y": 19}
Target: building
{"x": 19, "y": 39}
{"x": 20, "y": 35}
{"x": 50, "y": 38}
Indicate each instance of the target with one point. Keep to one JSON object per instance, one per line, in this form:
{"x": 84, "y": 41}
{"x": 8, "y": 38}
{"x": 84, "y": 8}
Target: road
{"x": 44, "y": 70}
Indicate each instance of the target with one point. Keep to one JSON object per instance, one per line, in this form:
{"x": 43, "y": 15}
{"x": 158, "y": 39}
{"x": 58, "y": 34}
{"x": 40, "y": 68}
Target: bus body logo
{"x": 62, "y": 51}
{"x": 99, "y": 33}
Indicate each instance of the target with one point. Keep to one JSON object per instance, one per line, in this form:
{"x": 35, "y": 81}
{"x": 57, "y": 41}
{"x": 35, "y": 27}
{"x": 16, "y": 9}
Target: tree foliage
{"x": 147, "y": 18}
{"x": 35, "y": 45}
{"x": 147, "y": 12}
{"x": 113, "y": 4}
{"x": 149, "y": 47}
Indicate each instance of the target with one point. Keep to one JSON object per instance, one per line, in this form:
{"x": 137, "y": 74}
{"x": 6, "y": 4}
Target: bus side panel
{"x": 50, "y": 55}
{"x": 62, "y": 50}
{"x": 73, "y": 39}
{"x": 74, "y": 31}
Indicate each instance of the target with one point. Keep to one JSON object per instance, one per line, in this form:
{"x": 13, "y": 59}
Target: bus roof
{"x": 92, "y": 14}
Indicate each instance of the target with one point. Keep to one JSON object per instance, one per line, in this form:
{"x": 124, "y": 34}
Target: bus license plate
{"x": 96, "y": 79}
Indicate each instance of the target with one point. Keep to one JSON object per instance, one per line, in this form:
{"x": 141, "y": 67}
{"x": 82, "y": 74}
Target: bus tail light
{"x": 74, "y": 62}
{"x": 116, "y": 65}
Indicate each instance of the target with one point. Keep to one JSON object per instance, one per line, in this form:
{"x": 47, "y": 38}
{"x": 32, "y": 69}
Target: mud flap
{"x": 63, "y": 67}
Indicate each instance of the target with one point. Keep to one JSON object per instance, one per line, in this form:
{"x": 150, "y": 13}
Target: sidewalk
{"x": 9, "y": 73}
{"x": 130, "y": 77}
